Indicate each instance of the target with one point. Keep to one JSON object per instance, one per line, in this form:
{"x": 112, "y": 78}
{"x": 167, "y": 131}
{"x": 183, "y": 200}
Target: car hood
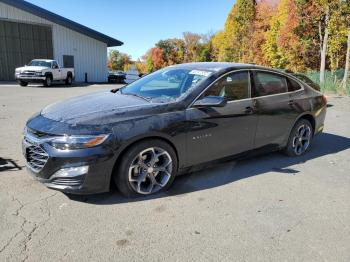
{"x": 99, "y": 108}
{"x": 31, "y": 68}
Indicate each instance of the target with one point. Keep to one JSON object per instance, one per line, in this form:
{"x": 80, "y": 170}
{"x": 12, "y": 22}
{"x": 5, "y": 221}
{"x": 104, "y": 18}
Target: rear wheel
{"x": 146, "y": 168}
{"x": 300, "y": 138}
{"x": 48, "y": 81}
{"x": 69, "y": 80}
{"x": 22, "y": 83}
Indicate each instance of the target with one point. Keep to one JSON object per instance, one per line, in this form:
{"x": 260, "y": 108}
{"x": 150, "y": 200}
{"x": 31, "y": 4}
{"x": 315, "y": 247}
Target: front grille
{"x": 36, "y": 157}
{"x": 28, "y": 73}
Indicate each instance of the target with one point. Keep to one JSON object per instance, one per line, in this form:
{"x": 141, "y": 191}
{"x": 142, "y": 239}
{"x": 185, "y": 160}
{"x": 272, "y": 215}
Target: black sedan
{"x": 144, "y": 134}
{"x": 116, "y": 77}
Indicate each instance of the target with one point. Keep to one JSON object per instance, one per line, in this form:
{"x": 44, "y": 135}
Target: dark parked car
{"x": 143, "y": 135}
{"x": 116, "y": 77}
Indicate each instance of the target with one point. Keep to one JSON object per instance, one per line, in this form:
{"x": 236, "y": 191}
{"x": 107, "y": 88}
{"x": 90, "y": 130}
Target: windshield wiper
{"x": 142, "y": 97}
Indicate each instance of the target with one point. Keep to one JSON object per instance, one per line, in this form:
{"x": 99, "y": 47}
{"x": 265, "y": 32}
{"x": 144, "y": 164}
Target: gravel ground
{"x": 270, "y": 208}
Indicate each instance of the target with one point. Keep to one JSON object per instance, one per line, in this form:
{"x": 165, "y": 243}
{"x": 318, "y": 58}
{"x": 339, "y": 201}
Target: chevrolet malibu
{"x": 144, "y": 134}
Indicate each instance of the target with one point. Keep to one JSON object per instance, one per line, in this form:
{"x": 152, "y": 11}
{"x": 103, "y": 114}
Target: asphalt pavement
{"x": 267, "y": 208}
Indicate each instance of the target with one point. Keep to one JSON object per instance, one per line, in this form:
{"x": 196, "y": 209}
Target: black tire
{"x": 69, "y": 80}
{"x": 48, "y": 81}
{"x": 296, "y": 140}
{"x": 121, "y": 176}
{"x": 22, "y": 83}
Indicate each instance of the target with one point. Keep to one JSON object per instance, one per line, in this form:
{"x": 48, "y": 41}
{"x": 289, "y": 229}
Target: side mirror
{"x": 211, "y": 101}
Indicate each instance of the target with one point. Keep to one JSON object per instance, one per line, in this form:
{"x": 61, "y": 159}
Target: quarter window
{"x": 293, "y": 85}
{"x": 234, "y": 86}
{"x": 269, "y": 84}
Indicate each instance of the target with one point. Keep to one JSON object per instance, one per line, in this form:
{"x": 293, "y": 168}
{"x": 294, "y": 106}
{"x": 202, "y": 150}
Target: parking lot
{"x": 268, "y": 208}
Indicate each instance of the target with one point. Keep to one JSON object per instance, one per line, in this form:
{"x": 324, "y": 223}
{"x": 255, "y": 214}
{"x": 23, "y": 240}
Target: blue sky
{"x": 141, "y": 23}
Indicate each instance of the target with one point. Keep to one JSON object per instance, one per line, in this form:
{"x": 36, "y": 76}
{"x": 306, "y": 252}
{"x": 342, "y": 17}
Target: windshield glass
{"x": 166, "y": 84}
{"x": 40, "y": 63}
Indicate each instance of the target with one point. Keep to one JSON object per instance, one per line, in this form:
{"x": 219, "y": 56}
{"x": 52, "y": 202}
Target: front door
{"x": 217, "y": 132}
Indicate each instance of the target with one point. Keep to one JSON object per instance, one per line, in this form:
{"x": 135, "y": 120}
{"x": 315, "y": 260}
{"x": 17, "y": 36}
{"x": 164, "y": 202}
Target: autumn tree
{"x": 283, "y": 47}
{"x": 192, "y": 41}
{"x": 234, "y": 42}
{"x": 154, "y": 58}
{"x": 118, "y": 60}
{"x": 264, "y": 13}
{"x": 338, "y": 28}
{"x": 345, "y": 14}
{"x": 173, "y": 50}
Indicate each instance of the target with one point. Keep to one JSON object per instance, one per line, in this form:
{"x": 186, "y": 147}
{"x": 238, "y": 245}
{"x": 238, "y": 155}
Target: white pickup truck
{"x": 43, "y": 71}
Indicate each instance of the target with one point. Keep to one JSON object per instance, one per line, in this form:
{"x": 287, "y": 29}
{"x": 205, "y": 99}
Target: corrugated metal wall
{"x": 90, "y": 55}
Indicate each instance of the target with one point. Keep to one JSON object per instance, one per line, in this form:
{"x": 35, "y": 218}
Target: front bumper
{"x": 28, "y": 78}
{"x": 80, "y": 171}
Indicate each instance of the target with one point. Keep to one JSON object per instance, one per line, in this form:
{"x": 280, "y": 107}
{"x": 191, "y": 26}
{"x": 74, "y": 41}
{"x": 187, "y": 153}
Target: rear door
{"x": 217, "y": 132}
{"x": 275, "y": 108}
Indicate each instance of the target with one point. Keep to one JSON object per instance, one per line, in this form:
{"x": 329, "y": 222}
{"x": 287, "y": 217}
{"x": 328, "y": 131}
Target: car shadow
{"x": 229, "y": 172}
{"x": 8, "y": 165}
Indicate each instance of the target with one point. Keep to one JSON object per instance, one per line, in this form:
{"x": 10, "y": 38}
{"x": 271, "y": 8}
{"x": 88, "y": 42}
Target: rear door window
{"x": 269, "y": 84}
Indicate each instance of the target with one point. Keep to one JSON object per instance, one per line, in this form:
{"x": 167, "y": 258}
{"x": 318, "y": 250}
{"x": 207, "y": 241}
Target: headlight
{"x": 77, "y": 142}
{"x": 38, "y": 73}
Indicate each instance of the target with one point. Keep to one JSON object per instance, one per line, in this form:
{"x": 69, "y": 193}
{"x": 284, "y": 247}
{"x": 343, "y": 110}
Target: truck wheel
{"x": 48, "y": 81}
{"x": 22, "y": 83}
{"x": 69, "y": 80}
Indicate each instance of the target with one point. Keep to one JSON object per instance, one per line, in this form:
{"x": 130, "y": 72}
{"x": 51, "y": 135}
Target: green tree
{"x": 173, "y": 50}
{"x": 118, "y": 60}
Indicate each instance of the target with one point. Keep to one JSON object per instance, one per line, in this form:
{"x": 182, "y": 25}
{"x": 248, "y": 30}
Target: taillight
{"x": 324, "y": 99}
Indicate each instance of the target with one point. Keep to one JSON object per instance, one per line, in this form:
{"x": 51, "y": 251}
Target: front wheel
{"x": 48, "y": 81}
{"x": 146, "y": 168}
{"x": 300, "y": 138}
{"x": 22, "y": 83}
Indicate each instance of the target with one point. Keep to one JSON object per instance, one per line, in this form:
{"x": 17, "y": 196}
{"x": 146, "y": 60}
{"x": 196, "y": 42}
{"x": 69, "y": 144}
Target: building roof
{"x": 43, "y": 13}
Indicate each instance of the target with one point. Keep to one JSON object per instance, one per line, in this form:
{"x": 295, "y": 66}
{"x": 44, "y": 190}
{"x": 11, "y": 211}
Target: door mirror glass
{"x": 211, "y": 101}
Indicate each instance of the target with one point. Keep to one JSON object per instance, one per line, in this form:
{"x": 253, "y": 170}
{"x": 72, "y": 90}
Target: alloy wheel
{"x": 150, "y": 170}
{"x": 301, "y": 139}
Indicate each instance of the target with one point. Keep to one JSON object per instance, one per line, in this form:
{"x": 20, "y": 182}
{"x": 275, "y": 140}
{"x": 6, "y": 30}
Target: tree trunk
{"x": 346, "y": 73}
{"x": 324, "y": 46}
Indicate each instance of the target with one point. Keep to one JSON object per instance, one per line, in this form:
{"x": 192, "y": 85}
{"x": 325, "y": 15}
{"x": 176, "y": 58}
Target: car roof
{"x": 219, "y": 66}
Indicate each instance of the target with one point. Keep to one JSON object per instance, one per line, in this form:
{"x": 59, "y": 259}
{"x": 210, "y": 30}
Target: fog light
{"x": 71, "y": 172}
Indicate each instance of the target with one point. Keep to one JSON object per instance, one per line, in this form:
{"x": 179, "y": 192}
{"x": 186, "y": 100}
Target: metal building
{"x": 28, "y": 32}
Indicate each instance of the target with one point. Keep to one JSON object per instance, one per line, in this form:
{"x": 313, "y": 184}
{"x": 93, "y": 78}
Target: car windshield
{"x": 40, "y": 63}
{"x": 166, "y": 84}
